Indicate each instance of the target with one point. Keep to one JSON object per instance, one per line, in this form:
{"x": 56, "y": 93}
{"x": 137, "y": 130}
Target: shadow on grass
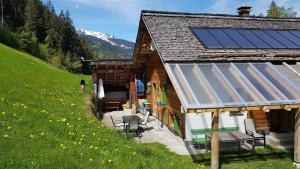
{"x": 260, "y": 154}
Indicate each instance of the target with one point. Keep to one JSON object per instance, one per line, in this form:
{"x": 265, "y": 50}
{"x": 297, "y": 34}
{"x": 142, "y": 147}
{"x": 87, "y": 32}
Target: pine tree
{"x": 276, "y": 11}
{"x": 31, "y": 16}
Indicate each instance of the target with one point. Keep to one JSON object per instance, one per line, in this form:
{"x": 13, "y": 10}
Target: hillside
{"x": 107, "y": 46}
{"x": 44, "y": 123}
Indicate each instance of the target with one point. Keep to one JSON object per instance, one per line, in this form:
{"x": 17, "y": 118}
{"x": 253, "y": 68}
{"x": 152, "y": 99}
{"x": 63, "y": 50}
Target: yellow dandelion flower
{"x": 5, "y": 136}
{"x": 8, "y": 127}
{"x": 31, "y": 135}
{"x": 61, "y": 145}
{"x": 96, "y": 148}
{"x": 91, "y": 159}
{"x": 82, "y": 135}
{"x": 63, "y": 120}
{"x": 133, "y": 153}
{"x": 109, "y": 161}
{"x": 91, "y": 146}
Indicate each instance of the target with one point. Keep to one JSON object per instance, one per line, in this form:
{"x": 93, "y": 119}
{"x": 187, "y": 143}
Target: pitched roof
{"x": 171, "y": 34}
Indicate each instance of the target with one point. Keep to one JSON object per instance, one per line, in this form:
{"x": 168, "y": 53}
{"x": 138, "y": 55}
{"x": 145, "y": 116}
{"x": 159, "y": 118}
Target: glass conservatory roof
{"x": 221, "y": 85}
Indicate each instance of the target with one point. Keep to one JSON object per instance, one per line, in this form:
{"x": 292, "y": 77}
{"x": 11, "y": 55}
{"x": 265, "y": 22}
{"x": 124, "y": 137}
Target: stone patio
{"x": 154, "y": 133}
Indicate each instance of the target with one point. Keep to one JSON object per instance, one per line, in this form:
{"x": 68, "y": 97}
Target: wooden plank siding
{"x": 157, "y": 75}
{"x": 275, "y": 119}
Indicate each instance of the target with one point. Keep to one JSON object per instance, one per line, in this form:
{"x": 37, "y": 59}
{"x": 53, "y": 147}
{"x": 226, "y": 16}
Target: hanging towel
{"x": 149, "y": 87}
{"x": 140, "y": 88}
{"x": 164, "y": 95}
{"x": 157, "y": 89}
{"x": 100, "y": 89}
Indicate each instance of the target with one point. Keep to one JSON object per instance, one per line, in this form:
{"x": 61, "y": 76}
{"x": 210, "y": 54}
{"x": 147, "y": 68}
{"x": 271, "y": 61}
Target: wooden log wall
{"x": 280, "y": 119}
{"x": 157, "y": 75}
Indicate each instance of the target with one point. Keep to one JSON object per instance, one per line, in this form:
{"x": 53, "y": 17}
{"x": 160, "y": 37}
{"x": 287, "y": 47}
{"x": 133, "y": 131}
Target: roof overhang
{"x": 211, "y": 87}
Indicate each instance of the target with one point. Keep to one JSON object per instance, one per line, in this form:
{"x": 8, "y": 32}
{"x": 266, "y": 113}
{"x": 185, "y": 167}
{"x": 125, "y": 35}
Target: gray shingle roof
{"x": 176, "y": 42}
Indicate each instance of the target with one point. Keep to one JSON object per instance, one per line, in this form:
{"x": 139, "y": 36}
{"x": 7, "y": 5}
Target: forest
{"x": 36, "y": 28}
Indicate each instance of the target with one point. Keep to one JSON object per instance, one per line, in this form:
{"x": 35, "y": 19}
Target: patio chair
{"x": 251, "y": 130}
{"x": 117, "y": 124}
{"x": 145, "y": 121}
{"x": 134, "y": 128}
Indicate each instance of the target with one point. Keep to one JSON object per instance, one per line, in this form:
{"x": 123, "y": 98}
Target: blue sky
{"x": 121, "y": 17}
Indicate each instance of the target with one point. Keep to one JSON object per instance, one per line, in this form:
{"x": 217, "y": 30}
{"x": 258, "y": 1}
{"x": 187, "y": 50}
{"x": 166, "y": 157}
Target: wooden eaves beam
{"x": 250, "y": 108}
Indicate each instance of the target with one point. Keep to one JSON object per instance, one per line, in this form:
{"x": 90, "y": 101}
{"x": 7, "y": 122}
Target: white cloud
{"x": 127, "y": 9}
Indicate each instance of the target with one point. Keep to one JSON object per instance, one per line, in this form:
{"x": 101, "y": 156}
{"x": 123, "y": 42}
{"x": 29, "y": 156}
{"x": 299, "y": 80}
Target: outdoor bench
{"x": 199, "y": 140}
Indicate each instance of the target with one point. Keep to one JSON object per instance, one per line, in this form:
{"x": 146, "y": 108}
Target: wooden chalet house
{"x": 216, "y": 71}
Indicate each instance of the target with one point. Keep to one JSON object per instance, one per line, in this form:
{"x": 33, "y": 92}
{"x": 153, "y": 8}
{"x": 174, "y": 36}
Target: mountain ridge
{"x": 106, "y": 46}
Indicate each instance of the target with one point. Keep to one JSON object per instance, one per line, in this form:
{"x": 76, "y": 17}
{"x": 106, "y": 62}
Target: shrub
{"x": 8, "y": 37}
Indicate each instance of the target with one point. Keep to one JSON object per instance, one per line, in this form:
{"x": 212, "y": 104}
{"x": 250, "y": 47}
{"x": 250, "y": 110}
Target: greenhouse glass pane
{"x": 201, "y": 90}
{"x": 223, "y": 91}
{"x": 183, "y": 86}
{"x": 259, "y": 83}
{"x": 239, "y": 84}
{"x": 278, "y": 81}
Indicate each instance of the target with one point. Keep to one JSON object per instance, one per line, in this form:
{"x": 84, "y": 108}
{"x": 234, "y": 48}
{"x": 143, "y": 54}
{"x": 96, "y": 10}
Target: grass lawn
{"x": 44, "y": 123}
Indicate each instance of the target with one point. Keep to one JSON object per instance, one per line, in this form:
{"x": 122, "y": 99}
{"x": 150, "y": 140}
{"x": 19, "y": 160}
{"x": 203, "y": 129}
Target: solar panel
{"x": 223, "y": 38}
{"x": 296, "y": 33}
{"x": 268, "y": 39}
{"x": 207, "y": 39}
{"x": 233, "y": 38}
{"x": 290, "y": 36}
{"x": 254, "y": 39}
{"x": 238, "y": 38}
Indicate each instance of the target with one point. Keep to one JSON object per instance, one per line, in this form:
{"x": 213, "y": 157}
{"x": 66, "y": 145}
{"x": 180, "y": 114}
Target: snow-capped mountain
{"x": 107, "y": 46}
{"x": 108, "y": 38}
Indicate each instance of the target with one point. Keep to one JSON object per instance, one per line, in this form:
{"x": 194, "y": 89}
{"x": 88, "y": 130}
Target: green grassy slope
{"x": 44, "y": 123}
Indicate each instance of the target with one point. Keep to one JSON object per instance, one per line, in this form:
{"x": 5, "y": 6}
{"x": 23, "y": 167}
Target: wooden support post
{"x": 297, "y": 140}
{"x": 215, "y": 141}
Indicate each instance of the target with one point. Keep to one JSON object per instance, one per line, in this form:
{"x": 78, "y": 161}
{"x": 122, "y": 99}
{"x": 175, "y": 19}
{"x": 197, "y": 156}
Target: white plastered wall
{"x": 203, "y": 120}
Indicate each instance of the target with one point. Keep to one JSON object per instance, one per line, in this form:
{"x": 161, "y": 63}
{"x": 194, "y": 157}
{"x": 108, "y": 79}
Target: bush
{"x": 8, "y": 37}
{"x": 57, "y": 60}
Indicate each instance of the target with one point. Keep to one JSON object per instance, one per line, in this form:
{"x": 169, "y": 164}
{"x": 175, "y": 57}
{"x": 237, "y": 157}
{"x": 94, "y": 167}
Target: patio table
{"x": 130, "y": 119}
{"x": 233, "y": 136}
